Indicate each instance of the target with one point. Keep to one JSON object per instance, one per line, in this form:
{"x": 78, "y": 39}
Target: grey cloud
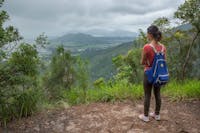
{"x": 56, "y": 17}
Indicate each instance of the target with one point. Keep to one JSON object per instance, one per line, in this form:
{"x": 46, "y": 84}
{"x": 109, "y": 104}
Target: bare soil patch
{"x": 117, "y": 117}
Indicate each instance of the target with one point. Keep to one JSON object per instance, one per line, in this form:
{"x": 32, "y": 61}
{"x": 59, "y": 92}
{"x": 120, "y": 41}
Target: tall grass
{"x": 19, "y": 104}
{"x": 105, "y": 93}
{"x": 188, "y": 89}
{"x": 123, "y": 90}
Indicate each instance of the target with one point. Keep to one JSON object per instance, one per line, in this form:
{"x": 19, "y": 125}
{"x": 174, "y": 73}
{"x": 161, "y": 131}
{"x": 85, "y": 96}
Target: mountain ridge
{"x": 83, "y": 38}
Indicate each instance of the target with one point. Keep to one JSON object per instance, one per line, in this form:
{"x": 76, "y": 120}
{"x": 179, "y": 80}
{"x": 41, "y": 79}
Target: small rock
{"x": 37, "y": 129}
{"x": 136, "y": 131}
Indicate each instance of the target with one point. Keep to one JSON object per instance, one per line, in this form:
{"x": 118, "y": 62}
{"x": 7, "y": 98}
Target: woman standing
{"x": 154, "y": 36}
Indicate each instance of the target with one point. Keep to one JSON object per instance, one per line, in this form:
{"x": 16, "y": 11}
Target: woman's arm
{"x": 143, "y": 57}
{"x": 165, "y": 53}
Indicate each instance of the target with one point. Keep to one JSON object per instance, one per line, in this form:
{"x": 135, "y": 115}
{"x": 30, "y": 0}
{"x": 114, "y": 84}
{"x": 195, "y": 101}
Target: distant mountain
{"x": 82, "y": 38}
{"x": 78, "y": 42}
{"x": 184, "y": 27}
{"x": 100, "y": 61}
{"x": 78, "y": 38}
{"x": 111, "y": 33}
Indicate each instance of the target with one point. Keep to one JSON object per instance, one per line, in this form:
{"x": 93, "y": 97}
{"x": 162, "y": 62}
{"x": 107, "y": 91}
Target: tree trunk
{"x": 188, "y": 55}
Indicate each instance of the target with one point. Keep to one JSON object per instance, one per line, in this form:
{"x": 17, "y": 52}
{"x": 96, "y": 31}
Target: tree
{"x": 189, "y": 12}
{"x": 163, "y": 23}
{"x": 176, "y": 41}
{"x": 128, "y": 66}
{"x": 142, "y": 39}
{"x": 8, "y": 34}
{"x": 18, "y": 73}
{"x": 21, "y": 69}
{"x": 25, "y": 64}
{"x": 18, "y": 83}
{"x": 42, "y": 41}
{"x": 61, "y": 73}
{"x": 82, "y": 74}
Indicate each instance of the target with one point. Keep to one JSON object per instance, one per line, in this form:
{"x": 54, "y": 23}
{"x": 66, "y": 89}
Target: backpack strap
{"x": 154, "y": 49}
{"x": 163, "y": 48}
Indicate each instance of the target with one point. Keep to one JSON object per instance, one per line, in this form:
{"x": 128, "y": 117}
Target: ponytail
{"x": 154, "y": 31}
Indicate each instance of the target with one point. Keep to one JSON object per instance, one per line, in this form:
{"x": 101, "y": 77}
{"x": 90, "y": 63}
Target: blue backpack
{"x": 158, "y": 74}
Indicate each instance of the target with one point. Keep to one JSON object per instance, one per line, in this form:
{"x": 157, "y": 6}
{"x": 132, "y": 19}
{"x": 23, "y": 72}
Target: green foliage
{"x": 74, "y": 96}
{"x": 119, "y": 90}
{"x": 1, "y": 2}
{"x": 17, "y": 104}
{"x": 81, "y": 73}
{"x": 8, "y": 34}
{"x": 128, "y": 66}
{"x": 21, "y": 68}
{"x": 25, "y": 60}
{"x": 100, "y": 61}
{"x": 142, "y": 39}
{"x": 189, "y": 12}
{"x": 26, "y": 102}
{"x": 162, "y": 23}
{"x": 42, "y": 40}
{"x": 189, "y": 89}
{"x": 122, "y": 90}
{"x": 18, "y": 83}
{"x": 61, "y": 73}
{"x": 99, "y": 82}
{"x": 65, "y": 71}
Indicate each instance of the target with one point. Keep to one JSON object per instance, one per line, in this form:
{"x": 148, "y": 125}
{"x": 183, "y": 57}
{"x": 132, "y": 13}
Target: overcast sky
{"x": 57, "y": 17}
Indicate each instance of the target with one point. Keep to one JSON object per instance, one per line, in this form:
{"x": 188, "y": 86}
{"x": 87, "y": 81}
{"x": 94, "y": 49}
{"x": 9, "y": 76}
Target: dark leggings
{"x": 147, "y": 97}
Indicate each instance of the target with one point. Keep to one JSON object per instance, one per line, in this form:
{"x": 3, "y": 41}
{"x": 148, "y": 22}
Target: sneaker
{"x": 156, "y": 117}
{"x": 144, "y": 118}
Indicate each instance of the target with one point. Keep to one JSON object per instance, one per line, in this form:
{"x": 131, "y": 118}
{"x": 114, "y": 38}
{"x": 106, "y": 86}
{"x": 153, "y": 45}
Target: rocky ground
{"x": 117, "y": 117}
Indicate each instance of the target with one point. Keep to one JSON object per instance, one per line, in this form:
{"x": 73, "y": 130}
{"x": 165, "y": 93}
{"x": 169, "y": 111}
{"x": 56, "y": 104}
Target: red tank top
{"x": 149, "y": 55}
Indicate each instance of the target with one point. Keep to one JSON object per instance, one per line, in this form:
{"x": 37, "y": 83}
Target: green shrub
{"x": 26, "y": 102}
{"x": 19, "y": 104}
{"x": 74, "y": 96}
{"x": 183, "y": 90}
{"x": 120, "y": 90}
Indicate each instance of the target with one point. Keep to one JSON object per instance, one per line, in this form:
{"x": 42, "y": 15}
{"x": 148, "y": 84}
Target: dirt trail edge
{"x": 117, "y": 117}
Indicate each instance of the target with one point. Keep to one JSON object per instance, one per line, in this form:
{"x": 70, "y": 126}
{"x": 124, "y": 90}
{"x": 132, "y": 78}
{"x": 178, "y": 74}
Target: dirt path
{"x": 118, "y": 117}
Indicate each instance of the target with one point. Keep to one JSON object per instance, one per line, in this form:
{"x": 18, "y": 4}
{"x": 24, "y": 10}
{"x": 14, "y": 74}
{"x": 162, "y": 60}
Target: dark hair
{"x": 154, "y": 31}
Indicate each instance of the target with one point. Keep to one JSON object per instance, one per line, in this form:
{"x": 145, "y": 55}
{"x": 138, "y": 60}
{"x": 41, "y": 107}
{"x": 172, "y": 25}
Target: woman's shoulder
{"x": 146, "y": 46}
{"x": 162, "y": 44}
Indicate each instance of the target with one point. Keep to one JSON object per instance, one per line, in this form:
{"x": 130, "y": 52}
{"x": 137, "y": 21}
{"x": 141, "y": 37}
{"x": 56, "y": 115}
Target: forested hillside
{"x": 100, "y": 61}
